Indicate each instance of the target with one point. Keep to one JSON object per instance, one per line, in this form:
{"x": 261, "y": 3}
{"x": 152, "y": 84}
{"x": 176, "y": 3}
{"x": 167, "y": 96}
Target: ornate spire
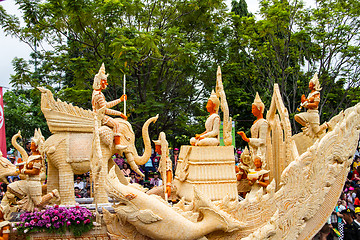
{"x": 315, "y": 81}
{"x": 215, "y": 100}
{"x": 258, "y": 103}
{"x": 38, "y": 138}
{"x": 100, "y": 75}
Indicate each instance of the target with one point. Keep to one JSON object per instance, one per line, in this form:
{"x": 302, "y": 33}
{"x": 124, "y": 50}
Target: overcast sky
{"x": 11, "y": 47}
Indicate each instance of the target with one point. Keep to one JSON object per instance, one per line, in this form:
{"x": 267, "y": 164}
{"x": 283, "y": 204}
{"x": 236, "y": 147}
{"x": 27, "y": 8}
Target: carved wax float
{"x": 259, "y": 130}
{"x": 310, "y": 120}
{"x": 258, "y": 179}
{"x": 6, "y": 168}
{"x": 211, "y": 135}
{"x": 28, "y": 192}
{"x": 69, "y": 149}
{"x": 209, "y": 168}
{"x": 151, "y": 216}
{"x": 165, "y": 165}
{"x": 242, "y": 171}
{"x": 302, "y": 194}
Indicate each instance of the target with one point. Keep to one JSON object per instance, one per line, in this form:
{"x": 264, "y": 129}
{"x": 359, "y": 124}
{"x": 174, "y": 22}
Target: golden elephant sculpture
{"x": 69, "y": 149}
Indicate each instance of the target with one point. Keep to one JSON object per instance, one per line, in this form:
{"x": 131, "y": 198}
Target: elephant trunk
{"x": 145, "y": 134}
{"x": 21, "y": 150}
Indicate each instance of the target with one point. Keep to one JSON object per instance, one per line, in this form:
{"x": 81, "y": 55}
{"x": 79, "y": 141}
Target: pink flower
{"x": 77, "y": 222}
{"x": 87, "y": 221}
{"x": 68, "y": 223}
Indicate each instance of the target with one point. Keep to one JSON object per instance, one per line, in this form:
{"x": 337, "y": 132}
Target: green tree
{"x": 287, "y": 46}
{"x": 162, "y": 46}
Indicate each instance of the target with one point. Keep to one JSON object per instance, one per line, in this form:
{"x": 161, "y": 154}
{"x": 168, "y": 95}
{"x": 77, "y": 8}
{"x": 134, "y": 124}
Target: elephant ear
{"x": 147, "y": 216}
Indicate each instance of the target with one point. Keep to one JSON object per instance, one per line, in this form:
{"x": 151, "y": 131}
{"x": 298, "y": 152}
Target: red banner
{"x": 2, "y": 125}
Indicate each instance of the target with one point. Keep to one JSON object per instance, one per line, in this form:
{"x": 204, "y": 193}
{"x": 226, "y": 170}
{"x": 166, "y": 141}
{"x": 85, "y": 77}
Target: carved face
{"x": 255, "y": 111}
{"x": 311, "y": 85}
{"x": 257, "y": 162}
{"x": 103, "y": 83}
{"x": 33, "y": 147}
{"x": 210, "y": 106}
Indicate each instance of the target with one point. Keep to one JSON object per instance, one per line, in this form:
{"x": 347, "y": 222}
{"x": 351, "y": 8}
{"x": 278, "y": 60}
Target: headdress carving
{"x": 214, "y": 98}
{"x": 38, "y": 138}
{"x": 100, "y": 75}
{"x": 245, "y": 156}
{"x": 315, "y": 81}
{"x": 258, "y": 103}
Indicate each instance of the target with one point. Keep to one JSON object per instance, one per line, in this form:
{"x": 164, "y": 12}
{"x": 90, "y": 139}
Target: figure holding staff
{"x": 99, "y": 102}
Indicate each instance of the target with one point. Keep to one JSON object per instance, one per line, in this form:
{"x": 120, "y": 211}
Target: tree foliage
{"x": 169, "y": 51}
{"x": 287, "y": 46}
{"x": 159, "y": 45}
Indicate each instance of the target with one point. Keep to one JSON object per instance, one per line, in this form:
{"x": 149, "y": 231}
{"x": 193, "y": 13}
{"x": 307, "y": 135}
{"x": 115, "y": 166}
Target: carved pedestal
{"x": 211, "y": 170}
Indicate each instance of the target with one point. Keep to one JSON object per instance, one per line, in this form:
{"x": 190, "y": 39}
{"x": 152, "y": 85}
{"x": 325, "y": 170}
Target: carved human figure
{"x": 310, "y": 119}
{"x": 212, "y": 125}
{"x": 99, "y": 102}
{"x": 258, "y": 130}
{"x": 242, "y": 171}
{"x": 29, "y": 191}
{"x": 165, "y": 165}
{"x": 258, "y": 177}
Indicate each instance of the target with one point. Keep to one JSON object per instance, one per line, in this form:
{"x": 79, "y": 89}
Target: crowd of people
{"x": 344, "y": 222}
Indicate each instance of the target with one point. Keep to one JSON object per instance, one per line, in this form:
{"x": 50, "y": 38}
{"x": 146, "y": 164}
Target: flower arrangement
{"x": 77, "y": 220}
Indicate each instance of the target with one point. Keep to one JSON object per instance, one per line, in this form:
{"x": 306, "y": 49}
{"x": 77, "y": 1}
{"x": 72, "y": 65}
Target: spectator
{"x": 355, "y": 175}
{"x": 132, "y": 178}
{"x": 126, "y": 169}
{"x": 79, "y": 183}
{"x": 87, "y": 183}
{"x": 156, "y": 181}
{"x": 350, "y": 198}
{"x": 351, "y": 228}
{"x": 119, "y": 160}
{"x": 77, "y": 192}
{"x": 341, "y": 206}
{"x": 357, "y": 199}
{"x": 356, "y": 162}
{"x": 87, "y": 194}
{"x": 174, "y": 158}
{"x": 357, "y": 216}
